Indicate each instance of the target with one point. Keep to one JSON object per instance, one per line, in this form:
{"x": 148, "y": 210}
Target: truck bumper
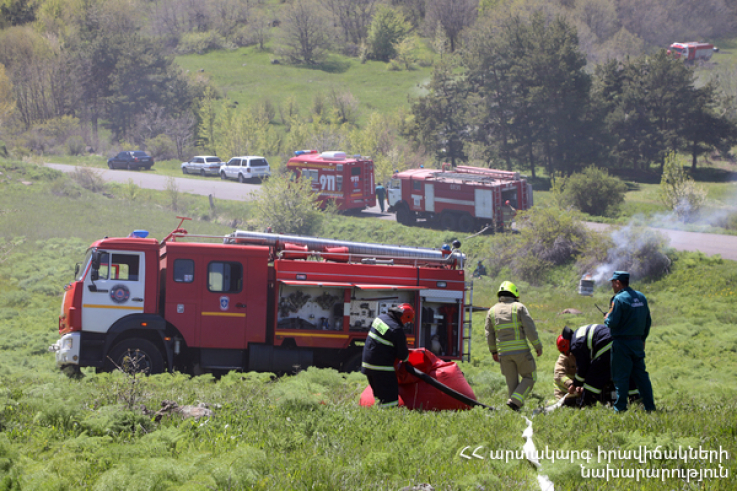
{"x": 66, "y": 349}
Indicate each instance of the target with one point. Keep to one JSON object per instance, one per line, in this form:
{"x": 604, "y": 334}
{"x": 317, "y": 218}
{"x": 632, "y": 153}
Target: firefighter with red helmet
{"x": 590, "y": 345}
{"x": 508, "y": 327}
{"x": 386, "y": 342}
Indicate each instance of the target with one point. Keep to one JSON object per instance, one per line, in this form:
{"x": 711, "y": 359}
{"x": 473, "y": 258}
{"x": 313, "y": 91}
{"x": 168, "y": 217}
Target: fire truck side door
{"x": 117, "y": 291}
{"x": 483, "y": 204}
{"x": 416, "y": 193}
{"x": 224, "y": 304}
{"x": 429, "y": 196}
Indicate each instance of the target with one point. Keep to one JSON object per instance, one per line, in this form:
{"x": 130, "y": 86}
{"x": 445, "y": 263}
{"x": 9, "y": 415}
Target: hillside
{"x": 306, "y": 431}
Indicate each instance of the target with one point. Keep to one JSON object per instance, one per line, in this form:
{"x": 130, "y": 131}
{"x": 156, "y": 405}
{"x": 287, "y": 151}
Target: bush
{"x": 75, "y": 145}
{"x": 161, "y": 147}
{"x": 593, "y": 191}
{"x": 388, "y": 29}
{"x": 639, "y": 250}
{"x": 678, "y": 192}
{"x": 548, "y": 237}
{"x": 287, "y": 206}
{"x": 200, "y": 42}
{"x": 89, "y": 179}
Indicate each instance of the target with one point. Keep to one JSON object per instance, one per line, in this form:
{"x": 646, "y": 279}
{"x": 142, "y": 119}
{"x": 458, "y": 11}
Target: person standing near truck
{"x": 386, "y": 342}
{"x": 508, "y": 327}
{"x": 381, "y": 196}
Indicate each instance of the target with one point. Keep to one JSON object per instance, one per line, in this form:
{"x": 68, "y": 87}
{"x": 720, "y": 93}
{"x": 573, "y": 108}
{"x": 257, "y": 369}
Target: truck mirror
{"x": 95, "y": 263}
{"x": 76, "y": 270}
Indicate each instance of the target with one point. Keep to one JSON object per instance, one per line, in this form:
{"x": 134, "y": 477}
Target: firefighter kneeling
{"x": 385, "y": 343}
{"x": 590, "y": 345}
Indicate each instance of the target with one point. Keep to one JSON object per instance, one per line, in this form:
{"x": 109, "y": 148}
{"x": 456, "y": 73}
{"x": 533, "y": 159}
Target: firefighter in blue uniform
{"x": 590, "y": 345}
{"x": 629, "y": 321}
{"x": 386, "y": 342}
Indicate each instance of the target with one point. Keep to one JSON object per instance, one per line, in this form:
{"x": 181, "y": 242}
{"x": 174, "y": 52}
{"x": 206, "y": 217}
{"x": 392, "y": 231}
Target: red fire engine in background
{"x": 349, "y": 181}
{"x": 463, "y": 198}
{"x": 691, "y": 52}
{"x": 253, "y": 301}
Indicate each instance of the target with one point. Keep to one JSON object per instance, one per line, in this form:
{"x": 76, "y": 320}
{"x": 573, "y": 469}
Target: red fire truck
{"x": 463, "y": 198}
{"x": 253, "y": 301}
{"x": 349, "y": 181}
{"x": 691, "y": 52}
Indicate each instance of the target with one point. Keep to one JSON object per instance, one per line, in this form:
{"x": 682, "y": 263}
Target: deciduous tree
{"x": 440, "y": 116}
{"x": 452, "y": 16}
{"x": 306, "y": 35}
{"x": 388, "y": 28}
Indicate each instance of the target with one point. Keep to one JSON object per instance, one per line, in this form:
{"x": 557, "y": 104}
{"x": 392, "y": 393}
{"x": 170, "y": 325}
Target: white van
{"x": 247, "y": 167}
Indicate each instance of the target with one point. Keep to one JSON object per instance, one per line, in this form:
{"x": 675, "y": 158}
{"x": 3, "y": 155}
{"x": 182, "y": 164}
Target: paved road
{"x": 709, "y": 244}
{"x": 206, "y": 186}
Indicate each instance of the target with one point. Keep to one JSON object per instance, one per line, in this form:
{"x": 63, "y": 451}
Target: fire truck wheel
{"x": 447, "y": 221}
{"x": 352, "y": 363}
{"x": 404, "y": 216}
{"x": 135, "y": 356}
{"x": 466, "y": 223}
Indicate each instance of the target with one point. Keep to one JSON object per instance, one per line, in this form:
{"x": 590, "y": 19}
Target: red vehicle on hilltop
{"x": 253, "y": 301}
{"x": 463, "y": 198}
{"x": 692, "y": 52}
{"x": 348, "y": 181}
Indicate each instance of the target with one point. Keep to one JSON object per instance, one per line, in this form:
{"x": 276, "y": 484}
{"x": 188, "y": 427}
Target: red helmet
{"x": 407, "y": 313}
{"x": 564, "y": 345}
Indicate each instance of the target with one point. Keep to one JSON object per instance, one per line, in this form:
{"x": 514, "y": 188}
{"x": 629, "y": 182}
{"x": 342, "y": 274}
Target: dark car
{"x": 130, "y": 160}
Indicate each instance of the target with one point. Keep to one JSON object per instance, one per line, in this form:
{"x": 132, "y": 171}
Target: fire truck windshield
{"x": 79, "y": 271}
{"x": 678, "y": 50}
{"x": 395, "y": 184}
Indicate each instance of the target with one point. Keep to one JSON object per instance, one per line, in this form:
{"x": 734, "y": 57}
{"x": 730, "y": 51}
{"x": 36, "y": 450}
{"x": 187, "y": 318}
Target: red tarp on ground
{"x": 418, "y": 394}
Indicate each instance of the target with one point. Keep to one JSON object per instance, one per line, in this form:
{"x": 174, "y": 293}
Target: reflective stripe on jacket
{"x": 385, "y": 343}
{"x": 509, "y": 326}
{"x": 588, "y": 344}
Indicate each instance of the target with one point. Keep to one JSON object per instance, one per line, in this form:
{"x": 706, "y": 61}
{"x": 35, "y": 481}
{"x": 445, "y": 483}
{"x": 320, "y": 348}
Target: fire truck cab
{"x": 348, "y": 181}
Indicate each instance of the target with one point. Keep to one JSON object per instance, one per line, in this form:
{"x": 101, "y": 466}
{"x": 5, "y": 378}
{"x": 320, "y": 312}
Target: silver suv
{"x": 204, "y": 165}
{"x": 247, "y": 167}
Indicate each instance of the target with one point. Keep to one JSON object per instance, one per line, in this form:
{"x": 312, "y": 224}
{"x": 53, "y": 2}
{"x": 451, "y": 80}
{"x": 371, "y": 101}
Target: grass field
{"x": 307, "y": 431}
{"x": 247, "y": 77}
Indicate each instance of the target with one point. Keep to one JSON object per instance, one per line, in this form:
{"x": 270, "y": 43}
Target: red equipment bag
{"x": 418, "y": 394}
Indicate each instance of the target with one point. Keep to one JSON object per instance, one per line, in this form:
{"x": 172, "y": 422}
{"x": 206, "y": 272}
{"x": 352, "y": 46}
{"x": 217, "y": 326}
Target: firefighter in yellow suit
{"x": 563, "y": 373}
{"x": 508, "y": 327}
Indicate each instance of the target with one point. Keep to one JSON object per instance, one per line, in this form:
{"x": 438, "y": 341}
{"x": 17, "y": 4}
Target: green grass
{"x": 307, "y": 431}
{"x": 247, "y": 77}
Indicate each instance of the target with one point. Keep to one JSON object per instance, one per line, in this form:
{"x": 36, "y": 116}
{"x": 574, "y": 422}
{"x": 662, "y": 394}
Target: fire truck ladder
{"x": 467, "y": 322}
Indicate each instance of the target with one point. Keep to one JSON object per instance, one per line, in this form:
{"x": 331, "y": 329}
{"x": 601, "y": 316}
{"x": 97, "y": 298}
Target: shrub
{"x": 639, "y": 250}
{"x": 388, "y": 29}
{"x": 678, "y": 192}
{"x": 161, "y": 147}
{"x": 593, "y": 191}
{"x": 547, "y": 237}
{"x": 75, "y": 145}
{"x": 288, "y": 206}
{"x": 89, "y": 179}
{"x": 200, "y": 42}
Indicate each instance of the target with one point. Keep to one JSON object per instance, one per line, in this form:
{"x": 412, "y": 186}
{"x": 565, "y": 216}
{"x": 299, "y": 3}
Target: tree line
{"x": 69, "y": 66}
{"x": 521, "y": 96}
